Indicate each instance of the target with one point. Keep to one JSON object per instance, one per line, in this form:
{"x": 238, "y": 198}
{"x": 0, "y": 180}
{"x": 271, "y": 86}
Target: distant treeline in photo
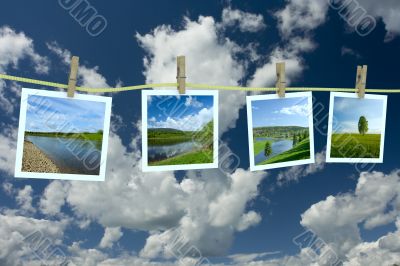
{"x": 162, "y": 136}
{"x": 77, "y": 135}
{"x": 198, "y": 145}
{"x": 279, "y": 131}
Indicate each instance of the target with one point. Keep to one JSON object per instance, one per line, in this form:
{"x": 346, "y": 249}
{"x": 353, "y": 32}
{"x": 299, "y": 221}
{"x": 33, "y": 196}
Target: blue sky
{"x": 231, "y": 218}
{"x": 347, "y": 112}
{"x": 50, "y": 114}
{"x": 280, "y": 112}
{"x": 185, "y": 113}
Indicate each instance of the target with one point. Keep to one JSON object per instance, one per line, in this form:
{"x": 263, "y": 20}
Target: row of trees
{"x": 298, "y": 137}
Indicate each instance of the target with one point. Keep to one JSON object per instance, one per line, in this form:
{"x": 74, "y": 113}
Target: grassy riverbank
{"x": 83, "y": 135}
{"x": 299, "y": 152}
{"x": 168, "y": 136}
{"x": 194, "y": 157}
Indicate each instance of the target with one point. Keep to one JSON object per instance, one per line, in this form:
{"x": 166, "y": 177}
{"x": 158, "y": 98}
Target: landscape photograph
{"x": 62, "y": 136}
{"x": 357, "y": 126}
{"x": 281, "y": 131}
{"x": 180, "y": 130}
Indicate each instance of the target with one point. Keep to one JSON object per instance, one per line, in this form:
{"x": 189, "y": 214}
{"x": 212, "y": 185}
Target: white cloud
{"x": 192, "y": 101}
{"x": 301, "y": 16}
{"x": 348, "y": 51}
{"x": 388, "y": 11}
{"x": 111, "y": 235}
{"x": 17, "y": 46}
{"x": 251, "y": 257}
{"x": 209, "y": 59}
{"x": 8, "y": 149}
{"x": 53, "y": 197}
{"x": 295, "y": 173}
{"x": 247, "y": 22}
{"x": 336, "y": 220}
{"x": 17, "y": 237}
{"x": 247, "y": 220}
{"x": 87, "y": 76}
{"x": 187, "y": 123}
{"x": 24, "y": 199}
{"x": 295, "y": 110}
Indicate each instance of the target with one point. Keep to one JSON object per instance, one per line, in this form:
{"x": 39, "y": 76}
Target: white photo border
{"x": 249, "y": 100}
{"x": 330, "y": 159}
{"x": 214, "y": 164}
{"x": 63, "y": 95}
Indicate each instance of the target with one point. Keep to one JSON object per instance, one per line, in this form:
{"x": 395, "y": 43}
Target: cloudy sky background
{"x": 347, "y": 112}
{"x": 228, "y": 218}
{"x": 280, "y": 112}
{"x": 51, "y": 114}
{"x": 187, "y": 113}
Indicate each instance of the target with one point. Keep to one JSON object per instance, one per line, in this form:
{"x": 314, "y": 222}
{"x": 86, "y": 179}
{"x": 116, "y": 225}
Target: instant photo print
{"x": 61, "y": 137}
{"x": 180, "y": 131}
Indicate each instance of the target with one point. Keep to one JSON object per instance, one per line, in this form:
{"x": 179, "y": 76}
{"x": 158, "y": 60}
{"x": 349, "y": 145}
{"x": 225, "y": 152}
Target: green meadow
{"x": 347, "y": 145}
{"x": 97, "y": 136}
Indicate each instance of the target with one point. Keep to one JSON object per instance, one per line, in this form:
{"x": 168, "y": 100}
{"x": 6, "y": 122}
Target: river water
{"x": 278, "y": 146}
{"x": 161, "y": 152}
{"x": 71, "y": 155}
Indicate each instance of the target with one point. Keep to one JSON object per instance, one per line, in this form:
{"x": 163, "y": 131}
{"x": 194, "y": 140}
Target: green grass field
{"x": 300, "y": 152}
{"x": 98, "y": 136}
{"x": 195, "y": 157}
{"x": 355, "y": 145}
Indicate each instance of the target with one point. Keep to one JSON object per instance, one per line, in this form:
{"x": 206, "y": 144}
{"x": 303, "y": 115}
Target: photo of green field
{"x": 357, "y": 128}
{"x": 284, "y": 135}
{"x": 184, "y": 139}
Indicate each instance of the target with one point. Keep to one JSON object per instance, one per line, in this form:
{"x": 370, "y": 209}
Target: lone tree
{"x": 294, "y": 139}
{"x": 362, "y": 125}
{"x": 267, "y": 149}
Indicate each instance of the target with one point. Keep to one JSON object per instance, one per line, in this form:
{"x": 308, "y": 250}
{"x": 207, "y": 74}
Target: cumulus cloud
{"x": 375, "y": 202}
{"x": 387, "y": 10}
{"x": 246, "y": 22}
{"x": 53, "y": 197}
{"x": 301, "y": 16}
{"x": 190, "y": 122}
{"x": 8, "y": 149}
{"x": 295, "y": 110}
{"x": 210, "y": 59}
{"x": 15, "y": 47}
{"x": 111, "y": 235}
{"x": 20, "y": 236}
{"x": 24, "y": 199}
{"x": 87, "y": 76}
{"x": 295, "y": 173}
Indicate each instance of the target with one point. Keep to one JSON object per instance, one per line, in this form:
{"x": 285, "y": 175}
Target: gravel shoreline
{"x": 34, "y": 160}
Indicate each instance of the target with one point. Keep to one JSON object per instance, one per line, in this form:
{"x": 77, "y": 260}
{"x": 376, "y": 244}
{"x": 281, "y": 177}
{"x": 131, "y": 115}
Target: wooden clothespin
{"x": 73, "y": 76}
{"x": 181, "y": 74}
{"x": 280, "y": 83}
{"x": 361, "y": 80}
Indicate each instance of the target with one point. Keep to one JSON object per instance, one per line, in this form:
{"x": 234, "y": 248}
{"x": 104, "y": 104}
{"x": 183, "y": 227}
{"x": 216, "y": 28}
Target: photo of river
{"x": 63, "y": 138}
{"x": 71, "y": 155}
{"x": 278, "y": 146}
{"x": 178, "y": 140}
